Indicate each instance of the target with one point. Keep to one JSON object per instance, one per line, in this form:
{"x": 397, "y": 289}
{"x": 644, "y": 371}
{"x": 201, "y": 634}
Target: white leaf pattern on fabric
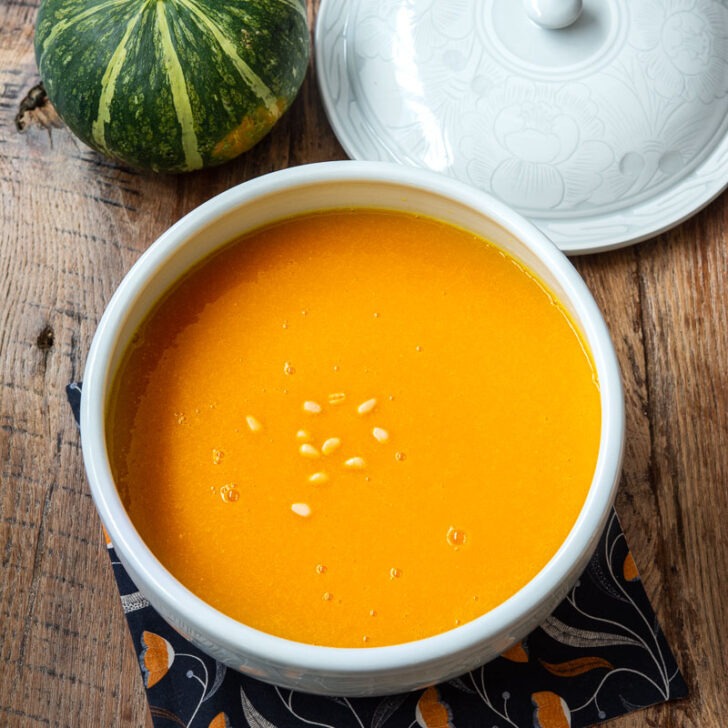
{"x": 386, "y": 709}
{"x": 220, "y": 671}
{"x": 568, "y": 635}
{"x": 252, "y": 716}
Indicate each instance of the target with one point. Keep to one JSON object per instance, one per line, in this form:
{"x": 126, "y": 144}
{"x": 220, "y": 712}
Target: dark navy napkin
{"x": 601, "y": 654}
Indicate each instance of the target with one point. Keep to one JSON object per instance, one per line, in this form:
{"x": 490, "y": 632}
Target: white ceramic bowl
{"x": 328, "y": 670}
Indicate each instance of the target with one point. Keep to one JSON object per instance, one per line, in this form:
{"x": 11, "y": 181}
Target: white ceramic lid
{"x": 603, "y": 132}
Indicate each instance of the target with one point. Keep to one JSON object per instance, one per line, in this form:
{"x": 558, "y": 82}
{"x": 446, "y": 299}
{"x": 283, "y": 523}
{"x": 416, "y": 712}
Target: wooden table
{"x": 72, "y": 223}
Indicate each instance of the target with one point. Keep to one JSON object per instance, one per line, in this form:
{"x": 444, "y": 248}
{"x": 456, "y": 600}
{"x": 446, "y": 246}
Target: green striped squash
{"x": 171, "y": 85}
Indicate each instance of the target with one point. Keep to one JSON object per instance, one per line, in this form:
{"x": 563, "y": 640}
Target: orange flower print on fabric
{"x": 220, "y": 721}
{"x": 551, "y": 711}
{"x": 517, "y": 653}
{"x": 432, "y": 711}
{"x": 156, "y": 658}
{"x": 578, "y": 666}
{"x": 629, "y": 568}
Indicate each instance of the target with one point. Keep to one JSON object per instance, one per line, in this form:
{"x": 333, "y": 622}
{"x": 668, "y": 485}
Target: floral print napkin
{"x": 601, "y": 654}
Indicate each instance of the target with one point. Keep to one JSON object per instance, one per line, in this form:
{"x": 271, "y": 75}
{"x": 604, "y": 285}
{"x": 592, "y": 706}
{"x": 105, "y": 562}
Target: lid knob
{"x": 553, "y": 14}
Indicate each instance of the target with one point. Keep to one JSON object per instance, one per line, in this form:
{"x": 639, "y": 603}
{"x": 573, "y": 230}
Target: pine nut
{"x": 301, "y": 509}
{"x": 367, "y": 406}
{"x": 331, "y": 444}
{"x": 253, "y": 424}
{"x": 380, "y": 434}
{"x": 309, "y": 451}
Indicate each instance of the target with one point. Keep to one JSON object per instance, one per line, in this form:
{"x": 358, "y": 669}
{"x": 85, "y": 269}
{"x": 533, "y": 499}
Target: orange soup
{"x": 355, "y": 428}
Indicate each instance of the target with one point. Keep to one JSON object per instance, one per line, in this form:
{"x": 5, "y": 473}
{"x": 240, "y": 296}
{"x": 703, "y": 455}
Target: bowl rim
{"x": 218, "y": 627}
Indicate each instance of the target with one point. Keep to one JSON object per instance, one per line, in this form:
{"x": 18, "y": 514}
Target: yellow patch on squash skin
{"x": 248, "y": 132}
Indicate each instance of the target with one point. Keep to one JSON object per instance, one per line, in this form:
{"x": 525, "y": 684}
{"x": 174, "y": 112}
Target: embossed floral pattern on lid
{"x": 603, "y": 133}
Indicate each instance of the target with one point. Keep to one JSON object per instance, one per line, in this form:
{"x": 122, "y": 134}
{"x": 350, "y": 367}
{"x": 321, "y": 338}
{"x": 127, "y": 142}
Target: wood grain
{"x": 71, "y": 225}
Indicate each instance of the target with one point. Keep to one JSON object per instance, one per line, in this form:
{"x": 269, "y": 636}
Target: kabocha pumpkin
{"x": 172, "y": 85}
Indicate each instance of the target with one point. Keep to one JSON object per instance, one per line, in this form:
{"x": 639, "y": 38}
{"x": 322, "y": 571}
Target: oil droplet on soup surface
{"x": 229, "y": 493}
{"x": 456, "y": 537}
